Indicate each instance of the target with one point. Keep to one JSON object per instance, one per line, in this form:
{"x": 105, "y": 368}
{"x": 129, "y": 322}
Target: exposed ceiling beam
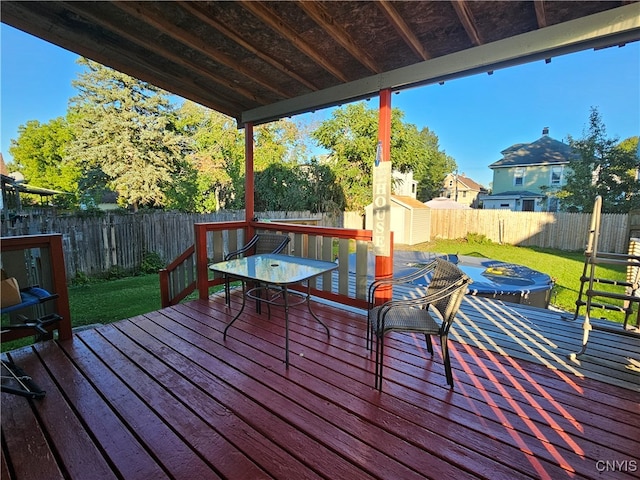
{"x": 76, "y": 7}
{"x": 403, "y": 29}
{"x": 466, "y": 18}
{"x": 340, "y": 35}
{"x": 277, "y": 25}
{"x": 168, "y": 27}
{"x": 612, "y": 27}
{"x": 57, "y": 33}
{"x": 541, "y": 15}
{"x": 196, "y": 9}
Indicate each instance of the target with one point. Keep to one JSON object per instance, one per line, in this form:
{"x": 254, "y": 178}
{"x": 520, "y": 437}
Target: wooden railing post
{"x": 52, "y": 245}
{"x": 202, "y": 264}
{"x": 59, "y": 273}
{"x": 382, "y": 191}
{"x": 165, "y": 297}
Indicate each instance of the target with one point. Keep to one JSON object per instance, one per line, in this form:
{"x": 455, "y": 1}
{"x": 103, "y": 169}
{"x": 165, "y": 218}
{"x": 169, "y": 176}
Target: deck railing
{"x": 214, "y": 240}
{"x": 178, "y": 279}
{"x": 38, "y": 259}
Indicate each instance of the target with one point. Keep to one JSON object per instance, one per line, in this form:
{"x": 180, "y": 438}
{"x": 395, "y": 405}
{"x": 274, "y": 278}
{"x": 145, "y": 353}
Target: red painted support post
{"x": 384, "y": 126}
{"x": 384, "y": 265}
{"x": 202, "y": 264}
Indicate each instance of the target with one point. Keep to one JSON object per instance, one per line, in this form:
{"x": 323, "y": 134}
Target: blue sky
{"x": 474, "y": 117}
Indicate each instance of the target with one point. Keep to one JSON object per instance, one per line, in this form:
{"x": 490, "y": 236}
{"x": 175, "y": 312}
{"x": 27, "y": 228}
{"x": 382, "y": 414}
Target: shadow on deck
{"x": 163, "y": 396}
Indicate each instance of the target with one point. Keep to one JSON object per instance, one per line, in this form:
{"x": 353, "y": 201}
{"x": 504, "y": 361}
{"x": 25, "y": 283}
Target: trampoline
{"x": 491, "y": 278}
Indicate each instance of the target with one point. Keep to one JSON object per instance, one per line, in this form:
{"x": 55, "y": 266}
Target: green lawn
{"x": 107, "y": 301}
{"x": 565, "y": 268}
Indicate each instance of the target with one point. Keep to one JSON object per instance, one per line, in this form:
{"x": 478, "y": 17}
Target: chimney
{"x": 545, "y": 131}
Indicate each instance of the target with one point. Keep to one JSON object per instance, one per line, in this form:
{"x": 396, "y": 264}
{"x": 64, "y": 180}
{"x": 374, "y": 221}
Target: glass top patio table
{"x": 273, "y": 273}
{"x": 274, "y": 269}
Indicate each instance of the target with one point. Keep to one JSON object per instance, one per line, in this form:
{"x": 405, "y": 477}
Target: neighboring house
{"x": 462, "y": 189}
{"x": 404, "y": 184}
{"x": 528, "y": 176}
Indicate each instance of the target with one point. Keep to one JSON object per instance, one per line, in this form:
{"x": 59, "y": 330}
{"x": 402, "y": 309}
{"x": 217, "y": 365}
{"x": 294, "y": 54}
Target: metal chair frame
{"x": 444, "y": 294}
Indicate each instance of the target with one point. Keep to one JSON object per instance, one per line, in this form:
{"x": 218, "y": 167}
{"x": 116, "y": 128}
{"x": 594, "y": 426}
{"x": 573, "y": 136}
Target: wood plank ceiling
{"x": 257, "y": 61}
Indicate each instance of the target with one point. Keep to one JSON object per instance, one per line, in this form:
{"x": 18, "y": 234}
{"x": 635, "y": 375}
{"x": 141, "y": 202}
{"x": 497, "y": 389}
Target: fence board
{"x": 564, "y": 231}
{"x": 93, "y": 245}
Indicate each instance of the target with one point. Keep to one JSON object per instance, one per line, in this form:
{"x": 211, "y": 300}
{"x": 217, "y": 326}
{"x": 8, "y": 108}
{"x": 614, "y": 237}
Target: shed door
{"x": 527, "y": 205}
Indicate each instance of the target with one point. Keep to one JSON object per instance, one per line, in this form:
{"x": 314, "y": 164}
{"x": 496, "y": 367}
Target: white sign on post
{"x": 381, "y": 205}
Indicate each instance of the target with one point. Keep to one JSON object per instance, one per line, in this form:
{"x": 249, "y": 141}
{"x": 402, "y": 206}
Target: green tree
{"x": 602, "y": 166}
{"x": 279, "y": 187}
{"x": 215, "y": 157}
{"x": 429, "y": 164}
{"x": 284, "y": 179}
{"x": 351, "y": 136}
{"x": 282, "y": 174}
{"x": 124, "y": 130}
{"x": 39, "y": 154}
{"x": 324, "y": 193}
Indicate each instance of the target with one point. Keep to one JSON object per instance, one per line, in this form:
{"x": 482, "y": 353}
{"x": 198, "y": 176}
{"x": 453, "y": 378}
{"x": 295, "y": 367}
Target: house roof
{"x": 512, "y": 194}
{"x": 444, "y": 203}
{"x": 544, "y": 151}
{"x": 470, "y": 184}
{"x": 260, "y": 61}
{"x": 10, "y": 183}
{"x": 408, "y": 202}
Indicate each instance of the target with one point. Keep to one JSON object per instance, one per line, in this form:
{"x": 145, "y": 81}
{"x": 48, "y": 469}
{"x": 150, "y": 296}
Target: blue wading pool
{"x": 491, "y": 278}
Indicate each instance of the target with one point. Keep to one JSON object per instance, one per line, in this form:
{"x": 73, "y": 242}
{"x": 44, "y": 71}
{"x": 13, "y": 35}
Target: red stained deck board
{"x": 282, "y": 399}
{"x": 114, "y": 437}
{"x": 163, "y": 442}
{"x": 153, "y": 382}
{"x": 164, "y": 393}
{"x": 29, "y": 454}
{"x": 201, "y": 390}
{"x": 537, "y": 406}
{"x": 501, "y": 449}
{"x": 426, "y": 440}
{"x": 76, "y": 450}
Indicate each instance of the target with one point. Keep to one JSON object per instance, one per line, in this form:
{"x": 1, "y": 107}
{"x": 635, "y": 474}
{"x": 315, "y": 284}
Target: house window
{"x": 556, "y": 175}
{"x": 518, "y": 176}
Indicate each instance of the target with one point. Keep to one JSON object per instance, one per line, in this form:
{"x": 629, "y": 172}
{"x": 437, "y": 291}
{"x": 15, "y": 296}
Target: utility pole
{"x": 456, "y": 180}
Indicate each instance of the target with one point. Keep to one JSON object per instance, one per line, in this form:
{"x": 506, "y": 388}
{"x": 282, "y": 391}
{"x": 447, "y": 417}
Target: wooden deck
{"x": 163, "y": 396}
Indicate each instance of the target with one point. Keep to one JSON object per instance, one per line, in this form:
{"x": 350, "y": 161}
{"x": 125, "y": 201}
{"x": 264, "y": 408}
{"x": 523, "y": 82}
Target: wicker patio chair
{"x": 260, "y": 243}
{"x": 444, "y": 294}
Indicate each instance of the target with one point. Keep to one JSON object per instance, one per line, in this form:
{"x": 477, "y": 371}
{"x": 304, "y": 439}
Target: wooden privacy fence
{"x": 94, "y": 245}
{"x": 564, "y": 231}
